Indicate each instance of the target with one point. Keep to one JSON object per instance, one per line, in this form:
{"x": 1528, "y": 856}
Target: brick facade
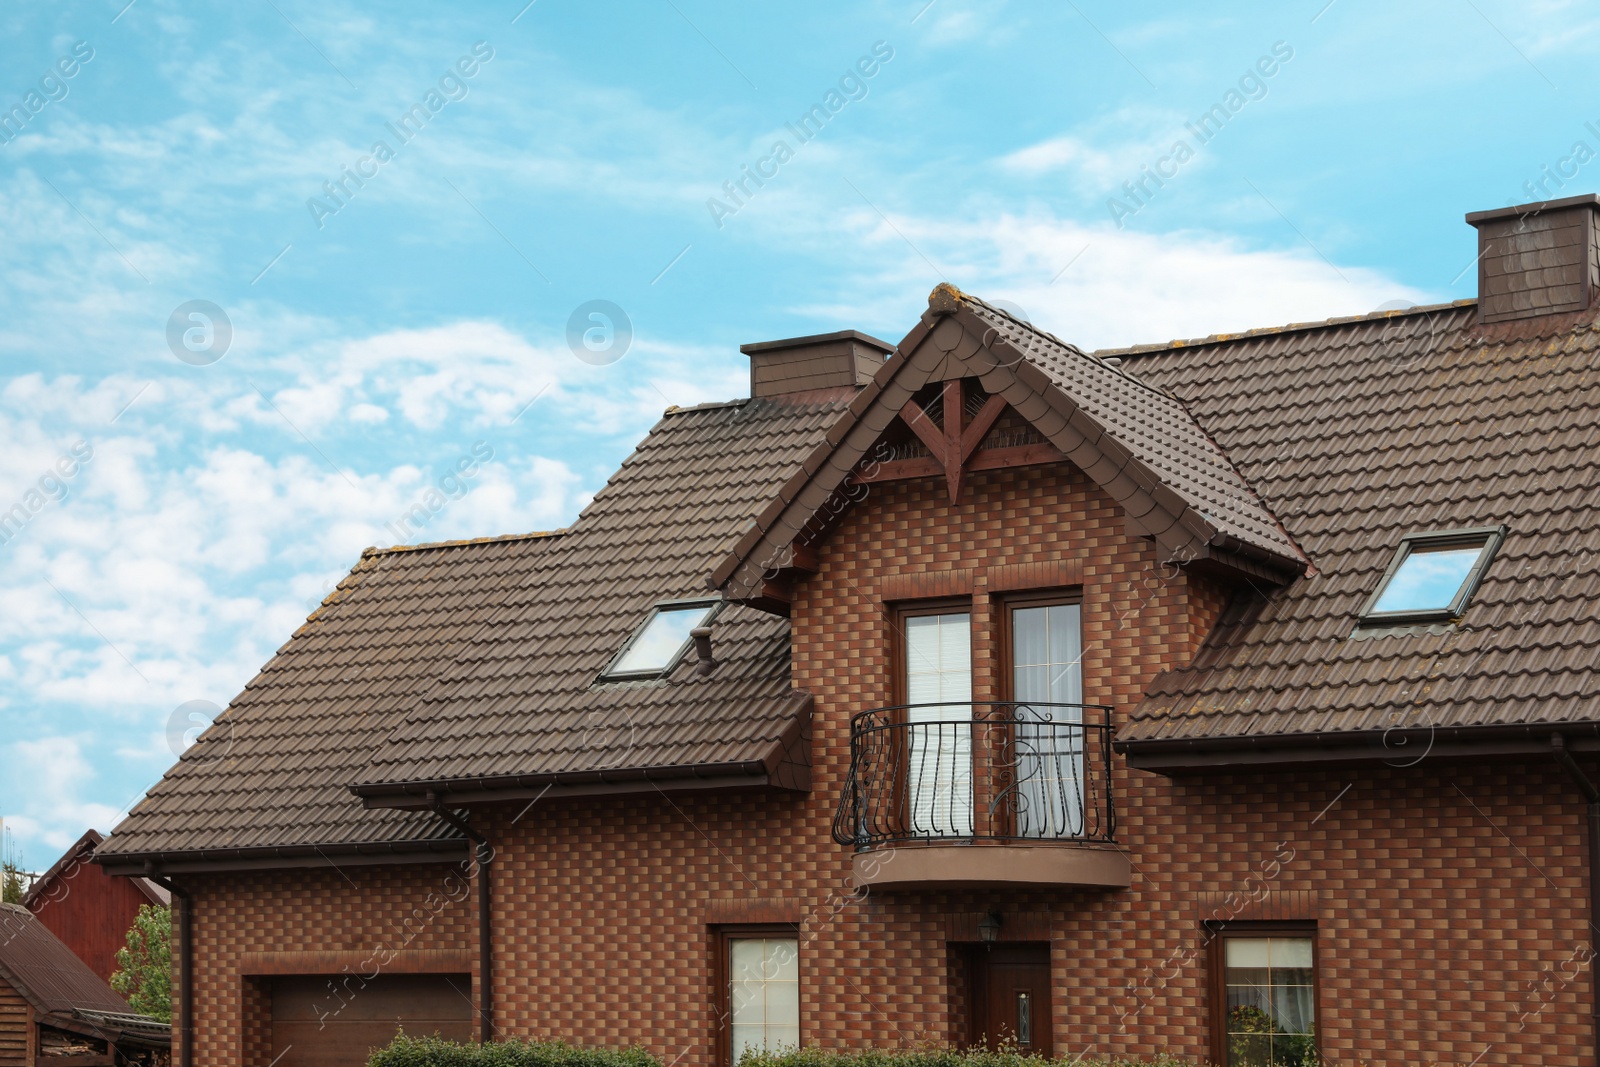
{"x": 345, "y": 921}
{"x": 1450, "y": 900}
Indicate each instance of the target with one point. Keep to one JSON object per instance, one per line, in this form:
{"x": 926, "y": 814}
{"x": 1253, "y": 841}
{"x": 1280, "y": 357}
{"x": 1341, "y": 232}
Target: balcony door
{"x": 938, "y": 694}
{"x": 1047, "y": 685}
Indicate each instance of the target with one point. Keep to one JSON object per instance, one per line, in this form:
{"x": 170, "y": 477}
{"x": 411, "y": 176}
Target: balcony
{"x": 983, "y": 794}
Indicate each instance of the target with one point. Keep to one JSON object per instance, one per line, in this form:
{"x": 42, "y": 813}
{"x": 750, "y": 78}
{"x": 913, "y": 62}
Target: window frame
{"x": 907, "y": 609}
{"x": 1006, "y": 668}
{"x": 722, "y": 937}
{"x": 899, "y": 695}
{"x": 1218, "y": 933}
{"x": 1488, "y": 539}
{"x": 609, "y": 672}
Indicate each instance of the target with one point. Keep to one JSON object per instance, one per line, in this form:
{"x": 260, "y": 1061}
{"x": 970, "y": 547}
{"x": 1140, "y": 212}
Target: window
{"x": 1432, "y": 576}
{"x": 1046, "y": 649}
{"x": 936, "y": 647}
{"x": 657, "y": 645}
{"x": 760, "y": 984}
{"x": 1264, "y": 995}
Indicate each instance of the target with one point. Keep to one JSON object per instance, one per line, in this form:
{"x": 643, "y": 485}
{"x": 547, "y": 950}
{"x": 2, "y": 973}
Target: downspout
{"x": 485, "y": 853}
{"x": 1591, "y": 794}
{"x": 185, "y": 962}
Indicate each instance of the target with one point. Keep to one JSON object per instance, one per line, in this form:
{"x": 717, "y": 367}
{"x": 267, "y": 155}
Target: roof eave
{"x": 275, "y": 857}
{"x": 418, "y": 794}
{"x": 1397, "y": 747}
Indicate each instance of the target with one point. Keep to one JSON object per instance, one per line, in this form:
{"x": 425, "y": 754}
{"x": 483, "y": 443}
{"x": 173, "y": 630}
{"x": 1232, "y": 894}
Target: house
{"x": 90, "y": 911}
{"x": 55, "y": 1010}
{"x": 1234, "y": 698}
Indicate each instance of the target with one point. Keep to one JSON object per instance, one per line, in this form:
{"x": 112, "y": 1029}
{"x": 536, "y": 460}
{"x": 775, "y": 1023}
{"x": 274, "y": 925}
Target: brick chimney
{"x": 1538, "y": 259}
{"x": 821, "y": 361}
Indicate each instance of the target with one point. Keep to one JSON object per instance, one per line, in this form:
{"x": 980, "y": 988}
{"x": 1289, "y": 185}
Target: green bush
{"x": 436, "y": 1052}
{"x": 406, "y": 1051}
{"x": 933, "y": 1058}
{"x": 929, "y": 1057}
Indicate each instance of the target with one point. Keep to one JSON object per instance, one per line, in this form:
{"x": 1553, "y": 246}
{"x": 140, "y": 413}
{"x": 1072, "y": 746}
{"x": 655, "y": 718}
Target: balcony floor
{"x": 953, "y": 864}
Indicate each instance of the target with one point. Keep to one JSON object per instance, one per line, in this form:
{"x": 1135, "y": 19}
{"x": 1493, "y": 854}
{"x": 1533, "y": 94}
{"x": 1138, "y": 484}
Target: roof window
{"x": 1432, "y": 576}
{"x": 660, "y": 641}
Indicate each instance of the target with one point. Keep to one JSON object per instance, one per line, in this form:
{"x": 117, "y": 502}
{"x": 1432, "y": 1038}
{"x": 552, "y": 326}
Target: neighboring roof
{"x": 124, "y": 1027}
{"x": 520, "y": 706}
{"x": 35, "y": 963}
{"x": 63, "y": 991}
{"x": 269, "y": 777}
{"x": 1357, "y": 432}
{"x": 1137, "y": 442}
{"x": 81, "y": 851}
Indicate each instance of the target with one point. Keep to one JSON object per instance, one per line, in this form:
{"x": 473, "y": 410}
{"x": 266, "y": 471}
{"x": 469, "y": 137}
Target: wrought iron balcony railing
{"x": 1015, "y": 770}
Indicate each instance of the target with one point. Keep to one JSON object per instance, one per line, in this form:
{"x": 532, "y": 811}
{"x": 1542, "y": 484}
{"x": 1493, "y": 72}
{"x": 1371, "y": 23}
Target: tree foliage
{"x": 144, "y": 964}
{"x": 11, "y": 888}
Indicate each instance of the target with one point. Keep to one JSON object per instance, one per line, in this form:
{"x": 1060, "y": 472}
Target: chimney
{"x": 1537, "y": 259}
{"x": 821, "y": 361}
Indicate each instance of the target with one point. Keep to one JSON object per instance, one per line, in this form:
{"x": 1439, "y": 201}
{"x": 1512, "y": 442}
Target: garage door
{"x": 310, "y": 1028}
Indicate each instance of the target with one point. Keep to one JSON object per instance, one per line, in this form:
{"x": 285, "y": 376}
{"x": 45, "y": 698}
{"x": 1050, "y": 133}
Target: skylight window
{"x": 660, "y": 642}
{"x": 1432, "y": 576}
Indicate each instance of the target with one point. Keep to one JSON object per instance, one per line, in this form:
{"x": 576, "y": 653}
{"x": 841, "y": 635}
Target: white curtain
{"x": 939, "y": 752}
{"x": 1047, "y": 658}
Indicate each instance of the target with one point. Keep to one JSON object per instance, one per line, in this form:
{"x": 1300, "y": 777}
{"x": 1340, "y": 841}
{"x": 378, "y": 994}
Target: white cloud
{"x": 55, "y": 775}
{"x": 1122, "y": 287}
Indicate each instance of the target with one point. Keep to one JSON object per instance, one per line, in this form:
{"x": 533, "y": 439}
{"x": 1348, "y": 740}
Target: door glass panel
{"x": 763, "y": 993}
{"x": 1271, "y": 1006}
{"x": 939, "y": 731}
{"x": 1047, "y": 668}
{"x": 1024, "y": 1019}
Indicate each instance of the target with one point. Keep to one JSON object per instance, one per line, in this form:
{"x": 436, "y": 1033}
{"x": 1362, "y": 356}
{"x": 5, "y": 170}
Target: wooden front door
{"x": 1010, "y": 997}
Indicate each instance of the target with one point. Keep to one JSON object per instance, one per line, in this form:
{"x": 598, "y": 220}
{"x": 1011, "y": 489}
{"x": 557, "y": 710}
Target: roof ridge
{"x": 1096, "y": 355}
{"x": 374, "y": 550}
{"x": 709, "y": 405}
{"x": 1293, "y": 327}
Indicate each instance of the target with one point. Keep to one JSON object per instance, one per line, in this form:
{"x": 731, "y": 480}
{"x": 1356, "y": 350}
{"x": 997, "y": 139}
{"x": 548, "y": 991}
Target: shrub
{"x": 406, "y": 1051}
{"x": 435, "y": 1052}
{"x": 930, "y": 1057}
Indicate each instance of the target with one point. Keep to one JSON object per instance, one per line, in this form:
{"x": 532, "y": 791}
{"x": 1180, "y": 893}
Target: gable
{"x": 1138, "y": 443}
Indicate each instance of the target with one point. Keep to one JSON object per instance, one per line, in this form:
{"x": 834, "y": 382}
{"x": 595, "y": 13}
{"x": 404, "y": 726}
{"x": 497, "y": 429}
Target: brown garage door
{"x": 312, "y": 1027}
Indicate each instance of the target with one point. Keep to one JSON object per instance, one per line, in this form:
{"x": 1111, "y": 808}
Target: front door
{"x": 1010, "y": 997}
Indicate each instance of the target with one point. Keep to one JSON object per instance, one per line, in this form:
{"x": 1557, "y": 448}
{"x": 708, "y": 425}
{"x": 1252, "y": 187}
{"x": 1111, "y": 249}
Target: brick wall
{"x": 252, "y": 925}
{"x": 1449, "y": 899}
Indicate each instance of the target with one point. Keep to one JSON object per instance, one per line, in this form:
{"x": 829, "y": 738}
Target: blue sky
{"x": 571, "y": 153}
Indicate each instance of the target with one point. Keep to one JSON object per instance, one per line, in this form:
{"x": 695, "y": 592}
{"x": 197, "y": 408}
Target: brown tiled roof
{"x": 471, "y": 667}
{"x": 271, "y": 773}
{"x": 35, "y": 963}
{"x": 520, "y": 701}
{"x": 1156, "y": 427}
{"x": 1357, "y": 432}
